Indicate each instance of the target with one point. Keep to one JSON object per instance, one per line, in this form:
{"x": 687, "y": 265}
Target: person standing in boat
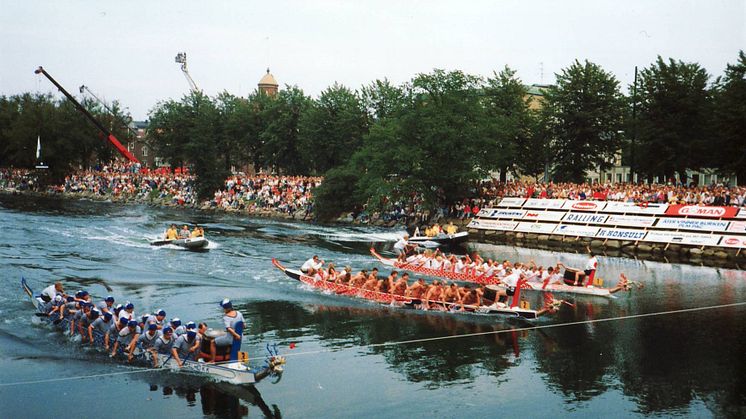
{"x": 403, "y": 248}
{"x": 233, "y": 321}
{"x": 48, "y": 294}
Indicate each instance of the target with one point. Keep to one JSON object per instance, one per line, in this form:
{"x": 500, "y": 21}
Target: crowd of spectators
{"x": 17, "y": 180}
{"x": 262, "y": 192}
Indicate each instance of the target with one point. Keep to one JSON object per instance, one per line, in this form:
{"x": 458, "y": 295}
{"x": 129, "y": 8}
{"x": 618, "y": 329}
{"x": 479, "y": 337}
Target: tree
{"x": 584, "y": 114}
{"x": 730, "y": 120}
{"x": 332, "y": 128}
{"x": 507, "y": 121}
{"x": 280, "y": 143}
{"x": 673, "y": 118}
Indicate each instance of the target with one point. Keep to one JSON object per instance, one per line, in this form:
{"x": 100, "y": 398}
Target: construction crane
{"x": 181, "y": 58}
{"x": 109, "y": 136}
{"x": 84, "y": 88}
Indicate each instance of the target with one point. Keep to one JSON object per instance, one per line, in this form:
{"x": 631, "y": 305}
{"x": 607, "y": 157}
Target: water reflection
{"x": 216, "y": 399}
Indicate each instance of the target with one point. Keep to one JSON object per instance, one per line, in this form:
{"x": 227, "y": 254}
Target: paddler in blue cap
{"x": 163, "y": 344}
{"x": 184, "y": 346}
{"x": 147, "y": 339}
{"x": 101, "y": 326}
{"x": 128, "y": 339}
{"x": 159, "y": 319}
{"x": 232, "y": 320}
{"x": 113, "y": 333}
{"x": 107, "y": 305}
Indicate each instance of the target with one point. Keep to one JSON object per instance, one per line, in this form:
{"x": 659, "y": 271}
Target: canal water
{"x": 688, "y": 364}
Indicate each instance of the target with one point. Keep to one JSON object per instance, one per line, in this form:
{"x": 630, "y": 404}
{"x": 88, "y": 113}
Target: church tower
{"x": 268, "y": 84}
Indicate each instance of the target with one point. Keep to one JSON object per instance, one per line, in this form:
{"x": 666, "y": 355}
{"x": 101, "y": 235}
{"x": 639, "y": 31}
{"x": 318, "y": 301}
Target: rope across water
{"x": 410, "y": 341}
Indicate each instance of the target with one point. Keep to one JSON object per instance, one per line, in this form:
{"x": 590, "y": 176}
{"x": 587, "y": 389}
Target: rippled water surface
{"x": 678, "y": 364}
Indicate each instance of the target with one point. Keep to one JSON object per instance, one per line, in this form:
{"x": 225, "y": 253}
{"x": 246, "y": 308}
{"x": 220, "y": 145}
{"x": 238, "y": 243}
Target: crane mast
{"x": 181, "y": 58}
{"x": 109, "y": 136}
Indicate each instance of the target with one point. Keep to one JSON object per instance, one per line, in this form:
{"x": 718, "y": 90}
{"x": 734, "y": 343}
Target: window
{"x": 145, "y": 151}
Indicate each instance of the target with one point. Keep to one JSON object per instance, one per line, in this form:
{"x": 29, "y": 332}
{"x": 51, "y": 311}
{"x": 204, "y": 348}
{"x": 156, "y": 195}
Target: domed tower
{"x": 268, "y": 84}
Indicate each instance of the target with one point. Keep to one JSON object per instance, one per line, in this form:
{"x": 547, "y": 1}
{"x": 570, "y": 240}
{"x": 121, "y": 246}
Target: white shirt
{"x": 401, "y": 244}
{"x": 512, "y": 279}
{"x": 591, "y": 264}
{"x": 50, "y": 292}
{"x": 310, "y": 263}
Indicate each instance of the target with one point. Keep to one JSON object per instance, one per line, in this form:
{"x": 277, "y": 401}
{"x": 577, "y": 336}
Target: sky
{"x": 124, "y": 50}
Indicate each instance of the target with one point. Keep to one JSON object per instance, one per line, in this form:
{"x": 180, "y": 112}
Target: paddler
{"x": 114, "y": 329}
{"x": 101, "y": 326}
{"x": 171, "y": 233}
{"x": 107, "y": 305}
{"x": 128, "y": 339}
{"x": 177, "y": 327}
{"x": 158, "y": 319}
{"x": 184, "y": 346}
{"x": 163, "y": 344}
{"x": 147, "y": 340}
{"x": 231, "y": 320}
{"x": 128, "y": 312}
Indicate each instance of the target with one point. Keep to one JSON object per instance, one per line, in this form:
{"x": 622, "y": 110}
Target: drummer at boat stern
{"x": 231, "y": 319}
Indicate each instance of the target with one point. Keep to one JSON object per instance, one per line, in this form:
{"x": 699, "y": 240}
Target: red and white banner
{"x": 543, "y": 215}
{"x": 539, "y": 203}
{"x": 573, "y": 230}
{"x": 697, "y": 211}
{"x": 630, "y": 220}
{"x": 493, "y": 224}
{"x": 511, "y": 202}
{"x": 733, "y": 241}
{"x": 546, "y": 228}
{"x": 697, "y": 239}
{"x": 584, "y": 205}
{"x": 635, "y": 208}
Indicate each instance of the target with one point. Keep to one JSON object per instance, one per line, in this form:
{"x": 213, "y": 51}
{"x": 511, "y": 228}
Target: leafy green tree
{"x": 383, "y": 100}
{"x": 730, "y": 120}
{"x": 280, "y": 137}
{"x": 507, "y": 121}
{"x": 332, "y": 128}
{"x": 673, "y": 118}
{"x": 584, "y": 111}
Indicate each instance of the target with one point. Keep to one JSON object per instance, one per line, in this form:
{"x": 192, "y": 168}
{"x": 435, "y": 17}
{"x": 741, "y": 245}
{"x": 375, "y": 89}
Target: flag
{"x": 38, "y": 147}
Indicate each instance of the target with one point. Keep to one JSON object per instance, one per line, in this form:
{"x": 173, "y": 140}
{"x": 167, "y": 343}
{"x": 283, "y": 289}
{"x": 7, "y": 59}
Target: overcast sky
{"x": 125, "y": 50}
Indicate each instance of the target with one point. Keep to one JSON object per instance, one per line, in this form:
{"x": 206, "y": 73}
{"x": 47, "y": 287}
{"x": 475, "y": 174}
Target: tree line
{"x": 432, "y": 137}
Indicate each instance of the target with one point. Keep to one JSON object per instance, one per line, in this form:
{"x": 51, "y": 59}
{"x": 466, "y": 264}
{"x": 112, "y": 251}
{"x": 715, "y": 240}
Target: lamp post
{"x": 634, "y": 131}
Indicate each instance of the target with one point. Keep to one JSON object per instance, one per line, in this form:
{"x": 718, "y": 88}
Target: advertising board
{"x": 493, "y": 224}
{"x": 733, "y": 241}
{"x": 630, "y": 220}
{"x": 543, "y": 215}
{"x": 633, "y": 208}
{"x": 697, "y": 239}
{"x": 621, "y": 234}
{"x": 535, "y": 227}
{"x": 584, "y": 205}
{"x": 501, "y": 213}
{"x": 691, "y": 224}
{"x": 511, "y": 202}
{"x": 697, "y": 211}
{"x": 573, "y": 230}
{"x": 538, "y": 203}
{"x": 737, "y": 226}
{"x": 742, "y": 214}
{"x": 585, "y": 218}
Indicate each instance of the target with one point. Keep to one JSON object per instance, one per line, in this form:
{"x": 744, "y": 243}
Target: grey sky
{"x": 125, "y": 49}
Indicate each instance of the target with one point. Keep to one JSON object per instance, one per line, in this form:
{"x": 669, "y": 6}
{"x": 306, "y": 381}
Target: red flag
{"x": 292, "y": 346}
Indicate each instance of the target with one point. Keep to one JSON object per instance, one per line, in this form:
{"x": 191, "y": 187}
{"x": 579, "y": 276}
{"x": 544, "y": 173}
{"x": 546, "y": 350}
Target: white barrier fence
{"x": 656, "y": 223}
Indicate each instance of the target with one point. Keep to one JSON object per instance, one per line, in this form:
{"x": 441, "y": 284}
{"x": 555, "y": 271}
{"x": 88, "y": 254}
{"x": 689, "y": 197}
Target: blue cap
{"x": 70, "y": 298}
{"x": 191, "y": 325}
{"x": 226, "y": 303}
{"x": 129, "y": 306}
{"x": 79, "y": 294}
{"x": 152, "y": 326}
{"x": 191, "y": 333}
{"x": 160, "y": 313}
{"x": 107, "y": 316}
{"x": 132, "y": 323}
{"x": 83, "y": 293}
{"x": 167, "y": 330}
{"x": 124, "y": 321}
{"x": 176, "y": 322}
{"x": 95, "y": 313}
{"x": 109, "y": 299}
{"x": 144, "y": 317}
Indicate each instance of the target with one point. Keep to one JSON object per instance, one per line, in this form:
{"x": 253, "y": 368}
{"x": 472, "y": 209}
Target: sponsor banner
{"x": 737, "y": 226}
{"x": 584, "y": 205}
{"x": 741, "y": 213}
{"x": 573, "y": 230}
{"x": 633, "y": 208}
{"x": 690, "y": 224}
{"x": 511, "y": 202}
{"x": 733, "y": 241}
{"x": 621, "y": 234}
{"x": 544, "y": 215}
{"x": 501, "y": 213}
{"x": 585, "y": 218}
{"x": 630, "y": 220}
{"x": 697, "y": 211}
{"x": 535, "y": 227}
{"x": 493, "y": 225}
{"x": 697, "y": 239}
{"x": 544, "y": 203}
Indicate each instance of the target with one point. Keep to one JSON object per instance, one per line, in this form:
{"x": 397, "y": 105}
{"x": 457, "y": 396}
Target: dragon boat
{"x": 492, "y": 280}
{"x": 516, "y": 308}
{"x": 232, "y": 371}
